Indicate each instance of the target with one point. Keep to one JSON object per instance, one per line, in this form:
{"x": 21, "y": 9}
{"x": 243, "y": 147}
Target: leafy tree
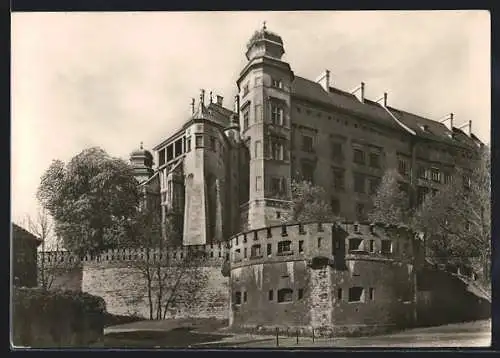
{"x": 390, "y": 203}
{"x": 309, "y": 203}
{"x": 91, "y": 200}
{"x": 457, "y": 219}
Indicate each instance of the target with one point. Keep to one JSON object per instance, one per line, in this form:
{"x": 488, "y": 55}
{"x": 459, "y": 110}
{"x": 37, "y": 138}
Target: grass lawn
{"x": 176, "y": 338}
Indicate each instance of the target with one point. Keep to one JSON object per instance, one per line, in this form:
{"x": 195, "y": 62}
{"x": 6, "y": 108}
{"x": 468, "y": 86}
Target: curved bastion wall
{"x": 117, "y": 277}
{"x": 340, "y": 277}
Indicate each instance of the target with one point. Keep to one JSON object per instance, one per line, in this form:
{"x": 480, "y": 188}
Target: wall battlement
{"x": 214, "y": 254}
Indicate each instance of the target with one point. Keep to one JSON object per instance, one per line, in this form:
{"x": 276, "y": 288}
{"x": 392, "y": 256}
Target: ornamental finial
{"x": 264, "y": 26}
{"x": 141, "y": 146}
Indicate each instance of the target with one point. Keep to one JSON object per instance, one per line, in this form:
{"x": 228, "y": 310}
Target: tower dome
{"x": 265, "y": 43}
{"x": 141, "y": 161}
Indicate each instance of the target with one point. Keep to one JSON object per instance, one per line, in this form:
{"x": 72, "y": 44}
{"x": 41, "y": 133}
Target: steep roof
{"x": 18, "y": 232}
{"x": 423, "y": 127}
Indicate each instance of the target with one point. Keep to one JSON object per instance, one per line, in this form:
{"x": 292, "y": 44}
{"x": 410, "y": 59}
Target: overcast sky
{"x": 116, "y": 79}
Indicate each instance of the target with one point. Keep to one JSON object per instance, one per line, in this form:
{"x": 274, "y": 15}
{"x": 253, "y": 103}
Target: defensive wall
{"x": 342, "y": 277}
{"x": 118, "y": 277}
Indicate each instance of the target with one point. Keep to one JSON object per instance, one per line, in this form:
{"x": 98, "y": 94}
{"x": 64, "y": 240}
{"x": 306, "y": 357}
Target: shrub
{"x": 43, "y": 318}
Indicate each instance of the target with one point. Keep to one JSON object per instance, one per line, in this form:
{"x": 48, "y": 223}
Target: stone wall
{"x": 124, "y": 288}
{"x": 118, "y": 277}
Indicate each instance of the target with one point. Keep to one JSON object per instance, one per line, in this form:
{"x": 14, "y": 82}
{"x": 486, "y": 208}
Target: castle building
{"x": 229, "y": 170}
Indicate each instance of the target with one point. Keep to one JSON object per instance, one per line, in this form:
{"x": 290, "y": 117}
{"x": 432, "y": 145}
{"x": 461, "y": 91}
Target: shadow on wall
{"x": 444, "y": 297}
{"x": 45, "y": 319}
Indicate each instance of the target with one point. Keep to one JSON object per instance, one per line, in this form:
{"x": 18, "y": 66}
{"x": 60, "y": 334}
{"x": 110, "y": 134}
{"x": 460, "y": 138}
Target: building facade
{"x": 231, "y": 169}
{"x": 24, "y": 254}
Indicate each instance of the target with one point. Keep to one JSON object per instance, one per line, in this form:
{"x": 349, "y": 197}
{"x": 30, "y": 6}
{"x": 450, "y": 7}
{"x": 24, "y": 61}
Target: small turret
{"x": 142, "y": 163}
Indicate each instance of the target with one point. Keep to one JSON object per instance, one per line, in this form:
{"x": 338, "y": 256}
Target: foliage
{"x": 309, "y": 203}
{"x": 55, "y": 318}
{"x": 390, "y": 203}
{"x": 91, "y": 199}
{"x": 457, "y": 219}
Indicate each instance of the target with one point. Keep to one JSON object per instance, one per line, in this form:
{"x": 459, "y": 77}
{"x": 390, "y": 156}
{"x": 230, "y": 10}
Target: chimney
{"x": 359, "y": 92}
{"x": 219, "y": 100}
{"x": 324, "y": 80}
{"x": 192, "y": 105}
{"x": 210, "y": 97}
{"x": 451, "y": 122}
{"x": 385, "y": 99}
{"x": 470, "y": 128}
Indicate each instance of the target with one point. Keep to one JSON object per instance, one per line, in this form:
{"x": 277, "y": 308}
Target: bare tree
{"x": 170, "y": 281}
{"x": 308, "y": 203}
{"x": 390, "y": 203}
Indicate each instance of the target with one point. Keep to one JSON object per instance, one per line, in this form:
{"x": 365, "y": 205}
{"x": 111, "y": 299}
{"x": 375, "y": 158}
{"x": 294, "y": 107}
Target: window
{"x": 301, "y": 293}
{"x": 245, "y": 252}
{"x": 277, "y": 83}
{"x": 423, "y": 173}
{"x": 285, "y": 295}
{"x": 256, "y": 251}
{"x": 277, "y": 186}
{"x": 338, "y": 179}
{"x": 361, "y": 211}
{"x": 276, "y": 115}
{"x": 371, "y": 293}
{"x": 258, "y": 148}
{"x": 421, "y": 194}
{"x": 386, "y": 247}
{"x": 244, "y": 238}
{"x": 355, "y": 244}
{"x": 278, "y": 214}
{"x": 466, "y": 181}
{"x": 245, "y": 90}
{"x": 374, "y": 184}
{"x": 339, "y": 294}
{"x": 237, "y": 297}
{"x": 199, "y": 140}
{"x": 308, "y": 171}
{"x": 337, "y": 155}
{"x": 359, "y": 183}
{"x": 246, "y": 118}
{"x": 245, "y": 297}
{"x": 213, "y": 144}
{"x": 320, "y": 241}
{"x": 258, "y": 113}
{"x": 270, "y": 295}
{"x": 359, "y": 156}
{"x": 468, "y": 226}
{"x": 269, "y": 249}
{"x": 258, "y": 183}
{"x": 277, "y": 150}
{"x": 372, "y": 245}
{"x": 307, "y": 143}
{"x": 161, "y": 157}
{"x": 301, "y": 246}
{"x": 188, "y": 144}
{"x": 375, "y": 160}
{"x": 403, "y": 167}
{"x": 436, "y": 175}
{"x": 284, "y": 247}
{"x": 447, "y": 178}
{"x": 356, "y": 294}
{"x": 335, "y": 204}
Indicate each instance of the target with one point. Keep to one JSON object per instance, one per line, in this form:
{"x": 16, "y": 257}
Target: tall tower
{"x": 264, "y": 88}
